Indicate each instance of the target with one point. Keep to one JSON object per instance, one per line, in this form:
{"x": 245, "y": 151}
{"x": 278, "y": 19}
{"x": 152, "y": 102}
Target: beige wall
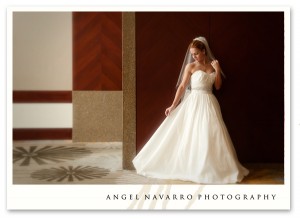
{"x": 43, "y": 115}
{"x": 42, "y": 51}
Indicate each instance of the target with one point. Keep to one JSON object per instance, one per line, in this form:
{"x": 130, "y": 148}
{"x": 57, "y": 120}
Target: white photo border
{"x": 97, "y": 197}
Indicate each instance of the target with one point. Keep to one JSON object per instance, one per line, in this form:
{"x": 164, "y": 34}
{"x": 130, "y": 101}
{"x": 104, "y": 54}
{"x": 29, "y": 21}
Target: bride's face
{"x": 197, "y": 54}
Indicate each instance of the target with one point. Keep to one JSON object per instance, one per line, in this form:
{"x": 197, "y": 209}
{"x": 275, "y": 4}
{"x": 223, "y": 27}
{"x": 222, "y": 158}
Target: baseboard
{"x": 42, "y": 134}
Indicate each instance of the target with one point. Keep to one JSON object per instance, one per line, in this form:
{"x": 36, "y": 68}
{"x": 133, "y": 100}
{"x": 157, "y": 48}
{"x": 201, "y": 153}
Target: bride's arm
{"x": 180, "y": 90}
{"x": 218, "y": 81}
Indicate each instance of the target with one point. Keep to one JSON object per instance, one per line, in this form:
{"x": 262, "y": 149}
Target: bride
{"x": 193, "y": 143}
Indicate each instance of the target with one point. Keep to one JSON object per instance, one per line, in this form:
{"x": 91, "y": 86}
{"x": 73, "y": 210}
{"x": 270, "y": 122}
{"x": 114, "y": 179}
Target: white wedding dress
{"x": 192, "y": 143}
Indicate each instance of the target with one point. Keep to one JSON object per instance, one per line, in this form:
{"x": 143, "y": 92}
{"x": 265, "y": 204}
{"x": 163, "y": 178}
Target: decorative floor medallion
{"x": 70, "y": 173}
{"x": 47, "y": 154}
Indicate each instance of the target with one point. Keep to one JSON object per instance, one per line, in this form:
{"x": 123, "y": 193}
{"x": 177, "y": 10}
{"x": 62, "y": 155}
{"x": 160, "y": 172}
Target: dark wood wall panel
{"x": 250, "y": 48}
{"x": 42, "y": 96}
{"x": 161, "y": 43}
{"x": 97, "y": 51}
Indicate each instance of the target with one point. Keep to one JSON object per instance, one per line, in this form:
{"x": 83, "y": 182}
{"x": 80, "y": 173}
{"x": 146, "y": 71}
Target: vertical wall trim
{"x": 129, "y": 89}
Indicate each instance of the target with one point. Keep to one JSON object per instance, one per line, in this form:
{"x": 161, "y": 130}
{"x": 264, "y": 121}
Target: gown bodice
{"x": 202, "y": 81}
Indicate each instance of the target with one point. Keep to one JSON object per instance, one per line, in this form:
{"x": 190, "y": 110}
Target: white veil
{"x": 188, "y": 59}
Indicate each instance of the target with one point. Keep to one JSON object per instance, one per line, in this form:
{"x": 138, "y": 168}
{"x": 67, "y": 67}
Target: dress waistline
{"x": 202, "y": 90}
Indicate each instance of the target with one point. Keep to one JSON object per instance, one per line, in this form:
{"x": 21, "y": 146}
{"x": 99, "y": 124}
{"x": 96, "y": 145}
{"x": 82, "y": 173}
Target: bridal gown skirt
{"x": 192, "y": 144}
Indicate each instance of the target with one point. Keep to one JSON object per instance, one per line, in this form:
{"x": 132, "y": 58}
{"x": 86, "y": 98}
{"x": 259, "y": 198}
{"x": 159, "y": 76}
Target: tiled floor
{"x": 64, "y": 162}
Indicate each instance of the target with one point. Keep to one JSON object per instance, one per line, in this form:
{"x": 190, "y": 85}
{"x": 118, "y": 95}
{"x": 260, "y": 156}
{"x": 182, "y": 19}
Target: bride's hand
{"x": 169, "y": 110}
{"x": 215, "y": 64}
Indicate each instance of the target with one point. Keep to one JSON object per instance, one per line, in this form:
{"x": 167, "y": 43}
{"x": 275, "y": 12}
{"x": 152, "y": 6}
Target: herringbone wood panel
{"x": 97, "y": 51}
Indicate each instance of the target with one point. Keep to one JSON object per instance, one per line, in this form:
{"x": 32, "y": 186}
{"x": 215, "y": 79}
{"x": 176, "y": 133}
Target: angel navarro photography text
{"x": 206, "y": 197}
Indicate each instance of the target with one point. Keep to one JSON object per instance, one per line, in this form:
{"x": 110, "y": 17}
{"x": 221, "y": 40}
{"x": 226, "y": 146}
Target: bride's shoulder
{"x": 190, "y": 66}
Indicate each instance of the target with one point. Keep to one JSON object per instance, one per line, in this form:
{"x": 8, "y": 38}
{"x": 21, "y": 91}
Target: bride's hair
{"x": 199, "y": 45}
